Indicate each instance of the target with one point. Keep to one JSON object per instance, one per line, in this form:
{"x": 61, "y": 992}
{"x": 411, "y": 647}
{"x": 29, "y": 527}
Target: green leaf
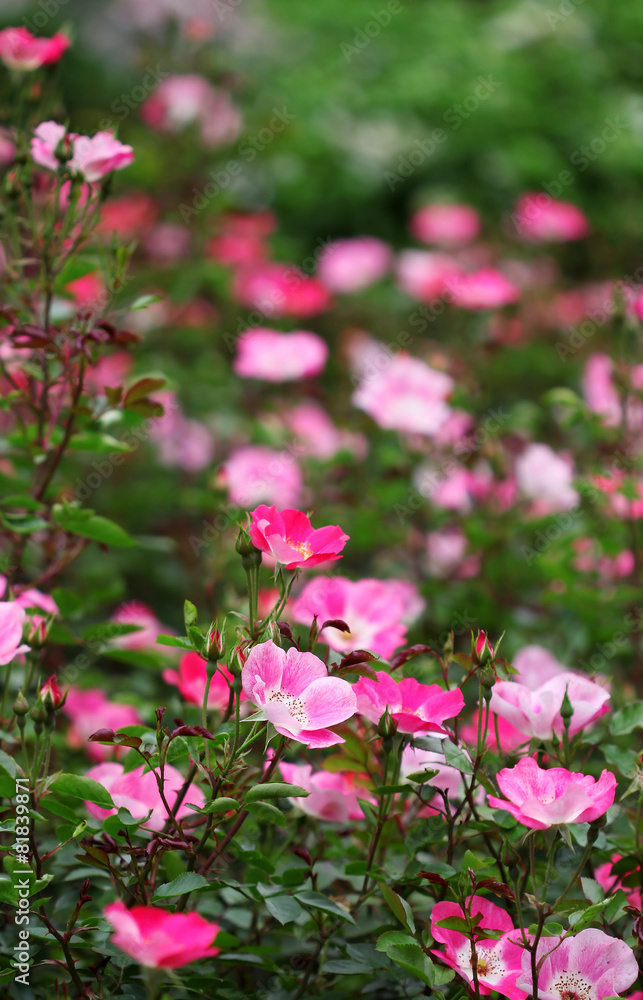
{"x": 457, "y": 758}
{"x": 85, "y": 523}
{"x": 592, "y": 890}
{"x": 407, "y": 953}
{"x": 320, "y": 902}
{"x": 142, "y": 388}
{"x": 223, "y": 804}
{"x": 266, "y": 812}
{"x": 187, "y": 882}
{"x": 284, "y": 908}
{"x": 627, "y": 719}
{"x": 274, "y": 790}
{"x": 80, "y": 787}
{"x": 8, "y": 764}
{"x": 22, "y": 524}
{"x": 399, "y": 907}
{"x": 173, "y": 640}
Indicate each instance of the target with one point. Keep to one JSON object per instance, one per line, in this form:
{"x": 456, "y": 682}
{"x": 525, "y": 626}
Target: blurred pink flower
{"x": 7, "y": 148}
{"x": 590, "y": 965}
{"x": 536, "y": 713}
{"x": 181, "y": 442}
{"x": 139, "y": 793}
{"x": 540, "y": 798}
{"x": 415, "y": 707}
{"x": 128, "y": 216}
{"x": 279, "y": 357}
{"x": 279, "y": 290}
{"x": 405, "y": 394}
{"x": 255, "y": 474}
{"x": 110, "y": 370}
{"x": 289, "y": 537}
{"x": 318, "y": 436}
{"x": 536, "y": 665}
{"x": 445, "y": 225}
{"x": 599, "y": 389}
{"x": 12, "y": 622}
{"x": 350, "y": 265}
{"x": 450, "y": 488}
{"x": 540, "y": 218}
{"x": 484, "y": 289}
{"x": 296, "y": 694}
{"x": 159, "y": 939}
{"x": 20, "y": 50}
{"x": 89, "y": 711}
{"x": 448, "y": 779}
{"x": 446, "y": 553}
{"x": 426, "y": 275}
{"x": 333, "y": 796}
{"x": 546, "y": 477}
{"x": 149, "y": 627}
{"x": 373, "y": 609}
{"x": 180, "y": 101}
{"x": 167, "y": 242}
{"x": 499, "y": 961}
{"x": 241, "y": 237}
{"x": 191, "y": 679}
{"x": 510, "y": 737}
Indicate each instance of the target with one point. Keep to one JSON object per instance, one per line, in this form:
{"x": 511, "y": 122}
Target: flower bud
{"x": 214, "y": 645}
{"x": 566, "y": 709}
{"x": 20, "y": 705}
{"x": 481, "y": 651}
{"x": 250, "y": 556}
{"x": 50, "y": 694}
{"x": 39, "y": 715}
{"x": 387, "y": 726}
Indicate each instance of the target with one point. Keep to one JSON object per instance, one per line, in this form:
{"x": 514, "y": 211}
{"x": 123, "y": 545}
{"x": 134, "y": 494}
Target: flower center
{"x": 571, "y": 986}
{"x": 294, "y": 706}
{"x": 303, "y": 548}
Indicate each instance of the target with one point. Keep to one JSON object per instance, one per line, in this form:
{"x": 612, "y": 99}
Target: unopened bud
{"x": 20, "y": 705}
{"x": 51, "y": 695}
{"x": 566, "y": 709}
{"x": 250, "y": 556}
{"x": 387, "y": 726}
{"x": 481, "y": 651}
{"x": 39, "y": 715}
{"x": 214, "y": 645}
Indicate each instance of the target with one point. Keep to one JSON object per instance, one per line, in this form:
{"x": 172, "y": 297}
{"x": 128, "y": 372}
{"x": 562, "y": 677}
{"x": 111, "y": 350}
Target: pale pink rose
{"x": 90, "y": 711}
{"x": 280, "y": 290}
{"x": 317, "y": 435}
{"x": 405, "y": 394}
{"x": 279, "y": 357}
{"x": 510, "y": 737}
{"x": 446, "y": 555}
{"x": 610, "y": 883}
{"x": 546, "y": 477}
{"x": 255, "y": 474}
{"x": 499, "y": 960}
{"x": 449, "y": 487}
{"x": 191, "y": 679}
{"x": 415, "y": 707}
{"x": 454, "y": 429}
{"x": 139, "y": 793}
{"x": 21, "y": 50}
{"x": 289, "y": 537}
{"x": 448, "y": 779}
{"x": 333, "y": 796}
{"x": 540, "y": 218}
{"x": 12, "y": 621}
{"x": 591, "y": 965}
{"x": 180, "y": 101}
{"x": 599, "y": 389}
{"x": 445, "y": 225}
{"x": 373, "y": 609}
{"x": 536, "y": 665}
{"x": 158, "y": 939}
{"x": 93, "y": 157}
{"x": 296, "y": 694}
{"x": 484, "y": 289}
{"x": 540, "y": 798}
{"x": 350, "y": 265}
{"x": 425, "y": 275}
{"x": 148, "y": 626}
{"x": 536, "y": 712}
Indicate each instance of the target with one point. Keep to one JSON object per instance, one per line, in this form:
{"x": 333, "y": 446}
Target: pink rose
{"x": 540, "y": 798}
{"x": 289, "y": 537}
{"x": 415, "y": 707}
{"x": 347, "y": 266}
{"x": 589, "y": 964}
{"x": 540, "y": 218}
{"x": 404, "y": 394}
{"x": 279, "y": 357}
{"x": 138, "y": 792}
{"x": 280, "y": 290}
{"x": 191, "y": 679}
{"x": 333, "y": 796}
{"x": 159, "y": 939}
{"x": 445, "y": 225}
{"x": 296, "y": 694}
{"x": 89, "y": 711}
{"x": 536, "y": 713}
{"x": 92, "y": 156}
{"x": 12, "y": 621}
{"x": 20, "y": 50}
{"x": 255, "y": 474}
